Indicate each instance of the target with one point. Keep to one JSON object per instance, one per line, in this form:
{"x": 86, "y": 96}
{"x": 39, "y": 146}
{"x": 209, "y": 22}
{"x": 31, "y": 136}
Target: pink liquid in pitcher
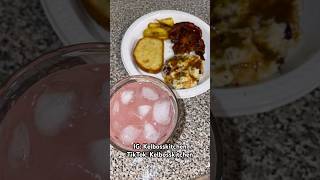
{"x": 141, "y": 112}
{"x": 57, "y": 128}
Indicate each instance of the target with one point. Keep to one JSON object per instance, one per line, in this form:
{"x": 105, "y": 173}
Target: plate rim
{"x": 283, "y": 90}
{"x": 183, "y": 93}
{"x": 62, "y": 33}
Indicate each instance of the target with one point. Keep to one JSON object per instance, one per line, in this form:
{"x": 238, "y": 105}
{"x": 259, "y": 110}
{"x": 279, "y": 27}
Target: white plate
{"x": 135, "y": 31}
{"x": 301, "y": 74}
{"x": 72, "y": 23}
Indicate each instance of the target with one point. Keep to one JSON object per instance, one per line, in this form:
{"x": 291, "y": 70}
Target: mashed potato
{"x": 251, "y": 39}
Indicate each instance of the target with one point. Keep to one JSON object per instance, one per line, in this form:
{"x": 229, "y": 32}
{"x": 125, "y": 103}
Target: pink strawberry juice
{"x": 141, "y": 112}
{"x": 57, "y": 128}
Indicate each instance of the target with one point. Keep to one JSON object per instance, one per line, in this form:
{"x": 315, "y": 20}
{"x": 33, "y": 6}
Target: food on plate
{"x": 159, "y": 29}
{"x": 183, "y": 71}
{"x": 141, "y": 112}
{"x": 156, "y": 32}
{"x": 166, "y": 21}
{"x": 99, "y": 11}
{"x": 148, "y": 54}
{"x": 187, "y": 37}
{"x": 149, "y": 50}
{"x": 250, "y": 40}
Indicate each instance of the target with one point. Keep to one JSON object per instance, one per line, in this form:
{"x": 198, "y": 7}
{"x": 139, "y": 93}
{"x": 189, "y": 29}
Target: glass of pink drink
{"x": 53, "y": 117}
{"x": 143, "y": 110}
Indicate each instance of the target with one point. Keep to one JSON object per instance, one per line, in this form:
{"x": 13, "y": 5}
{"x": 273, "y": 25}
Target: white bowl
{"x": 135, "y": 32}
{"x": 300, "y": 74}
{"x": 72, "y": 24}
